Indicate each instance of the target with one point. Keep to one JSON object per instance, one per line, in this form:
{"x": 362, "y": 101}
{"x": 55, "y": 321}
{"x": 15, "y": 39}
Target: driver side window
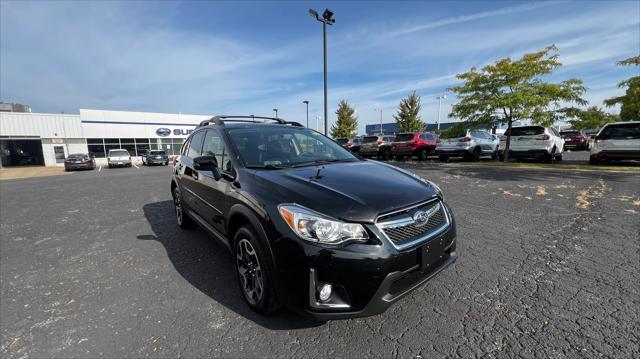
{"x": 214, "y": 146}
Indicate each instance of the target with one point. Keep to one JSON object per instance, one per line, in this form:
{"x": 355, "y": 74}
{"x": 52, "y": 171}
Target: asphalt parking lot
{"x": 92, "y": 264}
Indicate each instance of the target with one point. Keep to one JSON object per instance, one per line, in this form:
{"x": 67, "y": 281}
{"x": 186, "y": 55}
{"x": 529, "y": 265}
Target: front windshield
{"x": 286, "y": 146}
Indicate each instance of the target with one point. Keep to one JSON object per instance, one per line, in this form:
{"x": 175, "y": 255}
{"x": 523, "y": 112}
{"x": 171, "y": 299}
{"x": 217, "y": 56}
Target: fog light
{"x": 325, "y": 292}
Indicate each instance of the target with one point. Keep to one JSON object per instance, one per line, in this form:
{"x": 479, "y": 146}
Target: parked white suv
{"x": 616, "y": 141}
{"x": 119, "y": 157}
{"x": 474, "y": 144}
{"x": 533, "y": 142}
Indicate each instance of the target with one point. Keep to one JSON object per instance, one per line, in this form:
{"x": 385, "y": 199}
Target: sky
{"x": 248, "y": 57}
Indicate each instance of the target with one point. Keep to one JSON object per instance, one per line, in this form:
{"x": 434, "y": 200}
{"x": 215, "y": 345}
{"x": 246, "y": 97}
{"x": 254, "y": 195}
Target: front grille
{"x": 403, "y": 229}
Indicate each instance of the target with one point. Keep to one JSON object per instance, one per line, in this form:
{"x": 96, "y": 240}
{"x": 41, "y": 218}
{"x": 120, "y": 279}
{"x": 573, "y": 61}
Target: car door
{"x": 558, "y": 140}
{"x": 188, "y": 175}
{"x": 215, "y": 192}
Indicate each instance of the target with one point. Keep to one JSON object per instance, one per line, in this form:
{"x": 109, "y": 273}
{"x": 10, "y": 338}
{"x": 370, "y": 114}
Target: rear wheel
{"x": 183, "y": 219}
{"x": 386, "y": 154}
{"x": 422, "y": 155}
{"x": 254, "y": 271}
{"x": 550, "y": 157}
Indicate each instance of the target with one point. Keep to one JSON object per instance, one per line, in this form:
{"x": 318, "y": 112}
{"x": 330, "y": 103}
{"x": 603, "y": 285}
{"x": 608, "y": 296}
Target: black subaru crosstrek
{"x": 309, "y": 224}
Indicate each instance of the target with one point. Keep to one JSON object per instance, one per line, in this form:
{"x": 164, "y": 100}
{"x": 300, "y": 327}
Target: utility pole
{"x": 440, "y": 98}
{"x": 306, "y": 102}
{"x": 326, "y": 19}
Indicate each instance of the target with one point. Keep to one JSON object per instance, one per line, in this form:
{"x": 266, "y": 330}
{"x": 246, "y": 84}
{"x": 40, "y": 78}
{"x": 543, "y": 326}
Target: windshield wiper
{"x": 319, "y": 162}
{"x": 266, "y": 167}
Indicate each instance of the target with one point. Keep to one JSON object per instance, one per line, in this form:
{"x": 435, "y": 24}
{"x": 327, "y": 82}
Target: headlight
{"x": 315, "y": 227}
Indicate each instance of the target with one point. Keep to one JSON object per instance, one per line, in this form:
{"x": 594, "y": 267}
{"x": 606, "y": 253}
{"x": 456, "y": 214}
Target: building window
{"x": 96, "y": 151}
{"x": 112, "y": 141}
{"x": 95, "y": 141}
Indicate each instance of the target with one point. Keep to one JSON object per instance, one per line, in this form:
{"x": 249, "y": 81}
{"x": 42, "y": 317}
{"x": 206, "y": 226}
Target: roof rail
{"x": 221, "y": 119}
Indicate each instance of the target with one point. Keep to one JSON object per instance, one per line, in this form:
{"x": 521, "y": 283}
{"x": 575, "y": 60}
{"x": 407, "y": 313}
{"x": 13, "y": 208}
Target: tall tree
{"x": 347, "y": 123}
{"x": 511, "y": 90}
{"x": 408, "y": 116}
{"x": 630, "y": 101}
{"x": 592, "y": 118}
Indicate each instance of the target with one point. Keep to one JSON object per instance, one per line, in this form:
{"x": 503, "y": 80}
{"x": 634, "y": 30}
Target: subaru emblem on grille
{"x": 421, "y": 218}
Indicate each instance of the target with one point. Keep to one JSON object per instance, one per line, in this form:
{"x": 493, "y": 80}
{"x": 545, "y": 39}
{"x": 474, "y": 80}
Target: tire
{"x": 475, "y": 157}
{"x": 254, "y": 270}
{"x": 183, "y": 219}
{"x": 166, "y": 163}
{"x": 422, "y": 155}
{"x": 386, "y": 154}
{"x": 494, "y": 155}
{"x": 443, "y": 158}
{"x": 559, "y": 157}
{"x": 549, "y": 158}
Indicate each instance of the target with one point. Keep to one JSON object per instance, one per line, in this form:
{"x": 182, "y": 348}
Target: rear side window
{"x": 369, "y": 139}
{"x": 627, "y": 131}
{"x": 404, "y": 137}
{"x": 525, "y": 131}
{"x": 196, "y": 145}
{"x": 357, "y": 141}
{"x": 342, "y": 141}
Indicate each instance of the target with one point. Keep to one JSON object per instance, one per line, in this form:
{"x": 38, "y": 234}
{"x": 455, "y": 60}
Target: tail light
{"x": 349, "y": 144}
{"x": 599, "y": 139}
{"x": 87, "y": 161}
{"x": 65, "y": 161}
{"x": 465, "y": 139}
{"x": 543, "y": 137}
{"x": 379, "y": 142}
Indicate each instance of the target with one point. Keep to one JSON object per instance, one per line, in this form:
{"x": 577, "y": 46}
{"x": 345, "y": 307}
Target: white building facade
{"x": 47, "y": 139}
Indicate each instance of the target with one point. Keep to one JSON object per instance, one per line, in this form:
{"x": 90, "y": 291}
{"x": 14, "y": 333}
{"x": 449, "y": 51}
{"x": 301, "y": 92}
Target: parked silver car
{"x": 474, "y": 144}
{"x": 377, "y": 145}
{"x": 119, "y": 157}
{"x": 616, "y": 141}
{"x": 533, "y": 142}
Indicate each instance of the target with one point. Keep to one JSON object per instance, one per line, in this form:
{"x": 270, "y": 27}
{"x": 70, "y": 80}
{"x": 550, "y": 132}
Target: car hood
{"x": 352, "y": 191}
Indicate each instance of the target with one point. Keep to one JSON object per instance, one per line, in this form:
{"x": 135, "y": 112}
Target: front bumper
{"x": 452, "y": 151}
{"x": 367, "y": 278}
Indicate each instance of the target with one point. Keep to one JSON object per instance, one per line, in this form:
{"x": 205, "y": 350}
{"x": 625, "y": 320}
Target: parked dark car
{"x": 377, "y": 146}
{"x": 412, "y": 144}
{"x": 352, "y": 144}
{"x": 155, "y": 157}
{"x": 79, "y": 161}
{"x": 575, "y": 140}
{"x": 310, "y": 225}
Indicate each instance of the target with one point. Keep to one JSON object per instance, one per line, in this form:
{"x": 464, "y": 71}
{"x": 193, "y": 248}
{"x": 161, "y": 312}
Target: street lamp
{"x": 380, "y": 110}
{"x": 440, "y": 98}
{"x": 326, "y": 19}
{"x": 276, "y": 111}
{"x": 306, "y": 102}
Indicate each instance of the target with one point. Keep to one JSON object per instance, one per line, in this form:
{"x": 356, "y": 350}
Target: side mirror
{"x": 207, "y": 163}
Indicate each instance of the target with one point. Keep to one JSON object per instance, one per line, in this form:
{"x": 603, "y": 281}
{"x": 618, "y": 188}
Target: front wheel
{"x": 254, "y": 271}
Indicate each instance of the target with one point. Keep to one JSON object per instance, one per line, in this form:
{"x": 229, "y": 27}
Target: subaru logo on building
{"x": 421, "y": 218}
{"x": 163, "y": 132}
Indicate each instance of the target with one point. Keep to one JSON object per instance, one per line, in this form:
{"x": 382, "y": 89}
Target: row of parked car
{"x": 115, "y": 158}
{"x": 615, "y": 141}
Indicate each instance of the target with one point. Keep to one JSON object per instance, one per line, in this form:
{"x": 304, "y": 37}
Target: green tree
{"x": 347, "y": 123}
{"x": 511, "y": 90}
{"x": 408, "y": 116}
{"x": 630, "y": 101}
{"x": 592, "y": 118}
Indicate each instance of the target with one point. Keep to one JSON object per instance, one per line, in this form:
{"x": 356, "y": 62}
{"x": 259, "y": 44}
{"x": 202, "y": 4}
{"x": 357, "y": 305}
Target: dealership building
{"x": 31, "y": 139}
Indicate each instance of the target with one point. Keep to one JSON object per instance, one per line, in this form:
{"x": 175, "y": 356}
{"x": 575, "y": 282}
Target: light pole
{"x": 380, "y": 110}
{"x": 326, "y": 19}
{"x": 276, "y": 111}
{"x": 440, "y": 98}
{"x": 306, "y": 102}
